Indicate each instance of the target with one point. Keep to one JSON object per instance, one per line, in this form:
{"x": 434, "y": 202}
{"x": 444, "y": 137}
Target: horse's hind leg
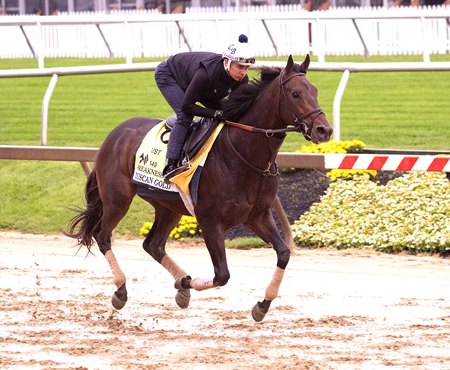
{"x": 154, "y": 244}
{"x": 116, "y": 203}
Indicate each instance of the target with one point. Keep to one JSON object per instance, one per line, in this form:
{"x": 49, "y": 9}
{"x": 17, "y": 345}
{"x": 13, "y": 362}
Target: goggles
{"x": 244, "y": 61}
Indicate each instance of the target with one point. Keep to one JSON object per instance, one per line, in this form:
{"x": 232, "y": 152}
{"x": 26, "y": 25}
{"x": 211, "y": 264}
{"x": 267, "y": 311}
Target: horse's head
{"x": 298, "y": 103}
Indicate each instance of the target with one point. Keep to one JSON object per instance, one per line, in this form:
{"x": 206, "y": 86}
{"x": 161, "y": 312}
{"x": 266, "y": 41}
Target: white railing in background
{"x": 271, "y": 30}
{"x": 139, "y": 67}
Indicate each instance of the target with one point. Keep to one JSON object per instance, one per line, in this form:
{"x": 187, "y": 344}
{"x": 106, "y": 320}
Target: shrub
{"x": 186, "y": 228}
{"x": 335, "y": 174}
{"x": 410, "y": 213}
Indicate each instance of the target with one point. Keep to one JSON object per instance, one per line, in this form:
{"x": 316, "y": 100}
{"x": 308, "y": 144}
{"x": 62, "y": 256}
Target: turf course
{"x": 405, "y": 110}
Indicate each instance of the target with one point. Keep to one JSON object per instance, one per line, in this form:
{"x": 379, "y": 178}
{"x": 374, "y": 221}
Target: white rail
{"x": 378, "y": 162}
{"x": 420, "y": 31}
{"x": 140, "y": 67}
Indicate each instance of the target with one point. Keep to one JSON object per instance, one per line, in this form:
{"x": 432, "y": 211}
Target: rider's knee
{"x": 184, "y": 119}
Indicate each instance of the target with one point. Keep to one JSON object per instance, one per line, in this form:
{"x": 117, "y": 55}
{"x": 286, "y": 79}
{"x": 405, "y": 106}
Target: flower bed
{"x": 410, "y": 213}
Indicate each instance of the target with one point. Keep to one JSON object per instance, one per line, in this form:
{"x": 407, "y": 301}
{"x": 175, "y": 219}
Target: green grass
{"x": 405, "y": 110}
{"x": 246, "y": 243}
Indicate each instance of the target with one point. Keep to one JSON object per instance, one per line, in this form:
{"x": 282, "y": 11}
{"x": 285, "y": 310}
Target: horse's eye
{"x": 295, "y": 94}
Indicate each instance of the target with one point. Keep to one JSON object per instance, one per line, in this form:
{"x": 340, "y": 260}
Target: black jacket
{"x": 204, "y": 79}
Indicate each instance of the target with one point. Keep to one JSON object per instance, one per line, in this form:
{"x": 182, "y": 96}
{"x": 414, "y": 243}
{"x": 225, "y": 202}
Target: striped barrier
{"x": 391, "y": 162}
{"x": 378, "y": 162}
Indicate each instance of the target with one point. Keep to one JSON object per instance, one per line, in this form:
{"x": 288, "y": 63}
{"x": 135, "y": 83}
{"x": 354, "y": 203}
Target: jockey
{"x": 186, "y": 79}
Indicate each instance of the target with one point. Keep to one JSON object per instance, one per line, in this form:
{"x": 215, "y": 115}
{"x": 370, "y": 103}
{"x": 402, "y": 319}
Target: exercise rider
{"x": 187, "y": 79}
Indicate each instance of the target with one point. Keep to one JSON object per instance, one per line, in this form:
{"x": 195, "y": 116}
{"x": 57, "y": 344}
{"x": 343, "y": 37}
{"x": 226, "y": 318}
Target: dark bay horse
{"x": 239, "y": 181}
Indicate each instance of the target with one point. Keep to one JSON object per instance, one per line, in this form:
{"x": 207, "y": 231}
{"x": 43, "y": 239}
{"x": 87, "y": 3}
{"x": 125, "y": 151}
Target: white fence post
{"x": 320, "y": 40}
{"x": 426, "y": 52}
{"x": 45, "y": 104}
{"x": 128, "y": 43}
{"x": 41, "y": 47}
{"x": 337, "y": 105}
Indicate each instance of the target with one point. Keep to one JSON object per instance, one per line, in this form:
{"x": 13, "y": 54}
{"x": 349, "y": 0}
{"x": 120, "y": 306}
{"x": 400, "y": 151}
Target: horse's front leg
{"x": 265, "y": 227}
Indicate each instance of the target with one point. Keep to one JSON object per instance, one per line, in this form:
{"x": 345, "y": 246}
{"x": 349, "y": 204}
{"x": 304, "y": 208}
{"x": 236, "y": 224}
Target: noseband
{"x": 301, "y": 125}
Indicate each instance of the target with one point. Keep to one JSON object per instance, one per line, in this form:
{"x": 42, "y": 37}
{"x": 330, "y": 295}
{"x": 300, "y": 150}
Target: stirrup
{"x": 174, "y": 172}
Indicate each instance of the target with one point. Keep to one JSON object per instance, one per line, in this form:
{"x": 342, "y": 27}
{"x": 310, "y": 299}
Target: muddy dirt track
{"x": 336, "y": 310}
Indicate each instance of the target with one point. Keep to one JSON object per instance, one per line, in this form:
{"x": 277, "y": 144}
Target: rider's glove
{"x": 218, "y": 115}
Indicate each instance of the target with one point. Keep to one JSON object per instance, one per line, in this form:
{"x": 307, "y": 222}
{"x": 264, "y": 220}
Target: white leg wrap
{"x": 118, "y": 276}
{"x": 272, "y": 289}
{"x": 202, "y": 284}
{"x": 170, "y": 265}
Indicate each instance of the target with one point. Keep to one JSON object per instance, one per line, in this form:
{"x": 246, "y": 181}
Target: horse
{"x": 238, "y": 184}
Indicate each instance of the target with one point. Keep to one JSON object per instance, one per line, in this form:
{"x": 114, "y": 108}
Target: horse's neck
{"x": 264, "y": 112}
{"x": 264, "y": 115}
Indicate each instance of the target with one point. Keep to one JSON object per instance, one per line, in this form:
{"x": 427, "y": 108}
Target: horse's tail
{"x": 288, "y": 236}
{"x": 88, "y": 221}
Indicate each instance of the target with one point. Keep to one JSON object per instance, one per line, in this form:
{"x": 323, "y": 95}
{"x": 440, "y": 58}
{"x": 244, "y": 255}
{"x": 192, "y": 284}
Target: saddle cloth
{"x": 150, "y": 162}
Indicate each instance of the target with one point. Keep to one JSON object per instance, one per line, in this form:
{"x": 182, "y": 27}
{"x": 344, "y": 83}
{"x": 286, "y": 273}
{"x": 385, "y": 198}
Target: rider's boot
{"x": 170, "y": 170}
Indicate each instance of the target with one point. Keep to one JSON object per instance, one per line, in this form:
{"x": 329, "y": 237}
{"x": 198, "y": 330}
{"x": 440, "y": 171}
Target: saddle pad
{"x": 149, "y": 165}
{"x": 150, "y": 161}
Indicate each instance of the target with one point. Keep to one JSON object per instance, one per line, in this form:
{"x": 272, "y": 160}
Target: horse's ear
{"x": 305, "y": 65}
{"x": 290, "y": 64}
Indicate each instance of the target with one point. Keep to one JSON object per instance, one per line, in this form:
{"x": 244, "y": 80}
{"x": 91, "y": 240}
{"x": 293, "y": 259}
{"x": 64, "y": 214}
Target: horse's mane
{"x": 245, "y": 95}
{"x": 241, "y": 99}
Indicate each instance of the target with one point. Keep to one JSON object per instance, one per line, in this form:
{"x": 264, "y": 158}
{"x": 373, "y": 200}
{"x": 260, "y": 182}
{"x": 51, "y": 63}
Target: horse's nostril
{"x": 324, "y": 131}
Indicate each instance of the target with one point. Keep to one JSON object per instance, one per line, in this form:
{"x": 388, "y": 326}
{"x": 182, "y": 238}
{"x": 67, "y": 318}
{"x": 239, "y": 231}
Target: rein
{"x": 264, "y": 172}
{"x": 268, "y": 132}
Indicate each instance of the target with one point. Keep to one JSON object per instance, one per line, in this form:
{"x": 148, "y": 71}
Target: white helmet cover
{"x": 240, "y": 52}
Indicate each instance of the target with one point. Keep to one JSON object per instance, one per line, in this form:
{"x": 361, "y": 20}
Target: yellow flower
{"x": 187, "y": 227}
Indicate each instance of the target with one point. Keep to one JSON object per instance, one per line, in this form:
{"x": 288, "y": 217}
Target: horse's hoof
{"x": 183, "y": 298}
{"x": 117, "y": 302}
{"x": 259, "y": 312}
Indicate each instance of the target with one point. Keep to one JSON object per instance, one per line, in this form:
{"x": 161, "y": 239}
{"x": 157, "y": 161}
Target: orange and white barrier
{"x": 388, "y": 162}
{"x": 378, "y": 162}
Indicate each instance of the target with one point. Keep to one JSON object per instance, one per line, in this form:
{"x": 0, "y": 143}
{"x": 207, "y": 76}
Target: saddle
{"x": 198, "y": 133}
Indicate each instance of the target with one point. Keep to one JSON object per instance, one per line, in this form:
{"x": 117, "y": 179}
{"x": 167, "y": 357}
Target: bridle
{"x": 301, "y": 127}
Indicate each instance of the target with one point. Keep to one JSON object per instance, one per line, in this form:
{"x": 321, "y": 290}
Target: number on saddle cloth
{"x": 199, "y": 132}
